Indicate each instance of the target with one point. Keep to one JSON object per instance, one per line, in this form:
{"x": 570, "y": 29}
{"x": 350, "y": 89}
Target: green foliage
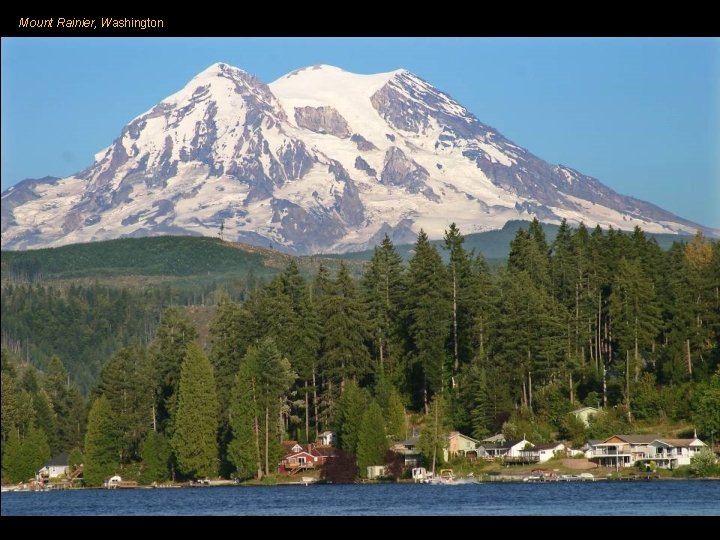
{"x": 573, "y": 429}
{"x": 168, "y": 352}
{"x": 102, "y": 443}
{"x": 163, "y": 255}
{"x": 345, "y": 331}
{"x": 156, "y": 453}
{"x": 350, "y": 410}
{"x": 36, "y": 449}
{"x": 435, "y": 431}
{"x": 372, "y": 441}
{"x": 194, "y": 439}
{"x": 705, "y": 463}
{"x": 75, "y": 458}
{"x": 124, "y": 381}
{"x": 607, "y": 423}
{"x": 260, "y": 388}
{"x": 707, "y": 413}
{"x": 428, "y": 309}
{"x": 14, "y": 468}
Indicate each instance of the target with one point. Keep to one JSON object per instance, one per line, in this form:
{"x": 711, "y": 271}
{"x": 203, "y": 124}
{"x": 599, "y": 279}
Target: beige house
{"x": 461, "y": 445}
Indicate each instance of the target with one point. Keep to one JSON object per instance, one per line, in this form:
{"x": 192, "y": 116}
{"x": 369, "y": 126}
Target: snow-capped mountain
{"x": 320, "y": 160}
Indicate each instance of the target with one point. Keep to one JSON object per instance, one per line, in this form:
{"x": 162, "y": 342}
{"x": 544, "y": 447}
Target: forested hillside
{"x": 597, "y": 317}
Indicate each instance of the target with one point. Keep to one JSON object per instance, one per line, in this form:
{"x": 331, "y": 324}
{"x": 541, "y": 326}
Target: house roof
{"x": 327, "y": 434}
{"x": 637, "y": 439}
{"x": 61, "y": 460}
{"x": 547, "y": 446}
{"x": 458, "y": 434}
{"x": 495, "y": 438}
{"x": 682, "y": 443}
{"x": 412, "y": 441}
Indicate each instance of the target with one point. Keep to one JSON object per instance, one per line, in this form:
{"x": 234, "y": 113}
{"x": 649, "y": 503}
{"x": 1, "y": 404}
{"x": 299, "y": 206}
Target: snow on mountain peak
{"x": 319, "y": 160}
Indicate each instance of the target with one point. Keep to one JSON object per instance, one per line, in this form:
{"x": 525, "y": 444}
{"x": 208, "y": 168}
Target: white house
{"x": 540, "y": 453}
{"x": 375, "y": 471}
{"x": 56, "y": 467}
{"x": 326, "y": 438}
{"x": 584, "y": 414}
{"x": 672, "y": 453}
{"x": 626, "y": 450}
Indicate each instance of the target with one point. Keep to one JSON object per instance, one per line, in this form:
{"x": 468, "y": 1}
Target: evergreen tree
{"x": 102, "y": 443}
{"x": 351, "y": 407}
{"x": 123, "y": 381}
{"x": 707, "y": 411}
{"x": 483, "y": 412}
{"x": 372, "y": 441}
{"x": 434, "y": 435}
{"x": 395, "y": 418}
{"x": 459, "y": 273}
{"x": 635, "y": 315}
{"x": 36, "y": 449}
{"x": 260, "y": 388}
{"x": 429, "y": 317}
{"x": 229, "y": 343}
{"x": 194, "y": 440}
{"x": 13, "y": 461}
{"x": 382, "y": 291}
{"x": 156, "y": 453}
{"x": 244, "y": 447}
{"x": 344, "y": 350}
{"x": 168, "y": 350}
{"x": 274, "y": 378}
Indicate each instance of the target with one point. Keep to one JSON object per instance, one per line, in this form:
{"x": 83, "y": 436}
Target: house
{"x": 672, "y": 453}
{"x": 56, "y": 467}
{"x": 495, "y": 439}
{"x": 508, "y": 450}
{"x": 622, "y": 450}
{"x": 461, "y": 445}
{"x": 408, "y": 449}
{"x": 540, "y": 453}
{"x": 302, "y": 457}
{"x": 584, "y": 414}
{"x": 375, "y": 471}
{"x": 327, "y": 438}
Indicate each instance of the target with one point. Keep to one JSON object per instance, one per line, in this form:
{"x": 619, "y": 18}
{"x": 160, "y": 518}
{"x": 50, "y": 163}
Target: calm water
{"x": 576, "y": 498}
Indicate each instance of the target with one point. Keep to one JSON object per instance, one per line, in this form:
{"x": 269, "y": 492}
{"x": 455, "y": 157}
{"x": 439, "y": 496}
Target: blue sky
{"x": 641, "y": 114}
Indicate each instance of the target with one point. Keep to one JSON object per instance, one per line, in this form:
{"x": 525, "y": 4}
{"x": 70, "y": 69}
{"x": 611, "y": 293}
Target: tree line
{"x": 597, "y": 317}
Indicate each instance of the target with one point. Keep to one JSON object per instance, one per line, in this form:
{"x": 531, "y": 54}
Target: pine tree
{"x": 123, "y": 381}
{"x": 435, "y": 432}
{"x": 229, "y": 343}
{"x": 194, "y": 440}
{"x": 156, "y": 453}
{"x": 13, "y": 460}
{"x": 350, "y": 409}
{"x": 274, "y": 378}
{"x": 260, "y": 388}
{"x": 102, "y": 443}
{"x": 382, "y": 292}
{"x": 459, "y": 273}
{"x": 635, "y": 317}
{"x": 395, "y": 417}
{"x": 372, "y": 441}
{"x": 36, "y": 450}
{"x": 168, "y": 350}
{"x": 429, "y": 317}
{"x": 344, "y": 351}
{"x": 244, "y": 447}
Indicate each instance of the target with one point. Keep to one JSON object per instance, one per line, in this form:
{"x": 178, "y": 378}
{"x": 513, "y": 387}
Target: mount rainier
{"x": 321, "y": 160}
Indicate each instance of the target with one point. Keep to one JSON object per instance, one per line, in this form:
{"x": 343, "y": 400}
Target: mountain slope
{"x": 321, "y": 160}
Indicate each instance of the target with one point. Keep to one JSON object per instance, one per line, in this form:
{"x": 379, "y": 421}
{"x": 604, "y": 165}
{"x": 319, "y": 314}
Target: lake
{"x": 681, "y": 497}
